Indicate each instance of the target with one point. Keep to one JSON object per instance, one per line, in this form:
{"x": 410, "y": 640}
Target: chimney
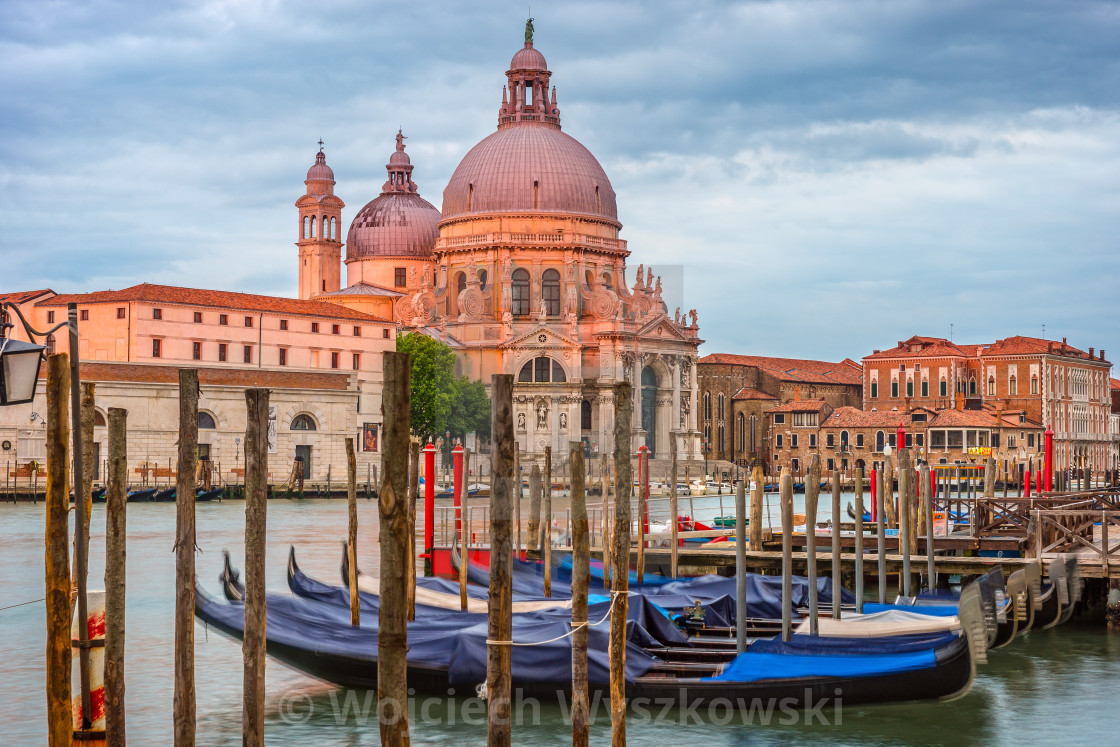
{"x": 1049, "y": 347}
{"x": 797, "y": 394}
{"x": 873, "y": 352}
{"x": 1102, "y": 354}
{"x": 1090, "y": 352}
{"x": 960, "y": 402}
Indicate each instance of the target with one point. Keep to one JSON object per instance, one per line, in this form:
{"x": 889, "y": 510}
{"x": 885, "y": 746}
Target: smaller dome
{"x": 528, "y": 58}
{"x": 320, "y": 171}
{"x": 399, "y": 158}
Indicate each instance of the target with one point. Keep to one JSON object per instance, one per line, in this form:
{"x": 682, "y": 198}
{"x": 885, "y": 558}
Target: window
{"x": 880, "y": 440}
{"x": 206, "y": 421}
{"x": 925, "y": 388}
{"x": 157, "y": 348}
{"x": 910, "y": 388}
{"x": 894, "y": 388}
{"x": 1012, "y": 386}
{"x": 306, "y": 227}
{"x": 248, "y": 321}
{"x": 991, "y": 386}
{"x": 223, "y": 319}
{"x": 995, "y": 440}
{"x": 1030, "y": 440}
{"x": 357, "y": 361}
{"x": 972, "y": 387}
{"x": 944, "y": 388}
{"x": 859, "y": 440}
{"x": 482, "y": 279}
{"x": 719, "y": 406}
{"x": 796, "y": 466}
{"x": 198, "y": 317}
{"x": 708, "y": 406}
{"x": 314, "y": 326}
{"x": 793, "y": 441}
{"x": 521, "y": 300}
{"x": 831, "y": 465}
{"x": 197, "y": 351}
{"x": 222, "y": 352}
{"x": 1034, "y": 384}
{"x": 357, "y": 331}
{"x": 920, "y": 439}
{"x": 909, "y": 440}
{"x": 550, "y": 292}
{"x": 84, "y": 315}
{"x": 303, "y": 422}
{"x": 843, "y": 439}
{"x": 334, "y": 360}
{"x": 283, "y": 356}
{"x": 893, "y": 439}
{"x": 247, "y": 352}
{"x": 385, "y": 333}
{"x": 918, "y": 417}
{"x": 400, "y": 277}
{"x": 541, "y": 370}
{"x": 779, "y": 418}
{"x": 284, "y": 324}
{"x": 121, "y": 312}
{"x": 778, "y": 440}
{"x": 156, "y": 314}
{"x": 50, "y": 317}
{"x": 874, "y": 389}
{"x": 829, "y": 441}
{"x": 585, "y": 415}
{"x": 812, "y": 440}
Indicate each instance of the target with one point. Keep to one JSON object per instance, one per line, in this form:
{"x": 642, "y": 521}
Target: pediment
{"x": 662, "y": 328}
{"x": 542, "y": 336}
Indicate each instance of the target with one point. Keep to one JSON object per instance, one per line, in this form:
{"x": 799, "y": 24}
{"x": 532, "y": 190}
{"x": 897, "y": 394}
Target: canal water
{"x": 1052, "y": 687}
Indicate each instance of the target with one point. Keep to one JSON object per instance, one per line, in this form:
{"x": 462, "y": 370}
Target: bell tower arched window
{"x": 550, "y": 291}
{"x": 520, "y": 292}
{"x": 307, "y": 226}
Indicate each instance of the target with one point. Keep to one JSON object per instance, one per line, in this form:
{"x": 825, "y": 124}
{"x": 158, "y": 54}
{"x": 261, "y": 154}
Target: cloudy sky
{"x": 832, "y": 176}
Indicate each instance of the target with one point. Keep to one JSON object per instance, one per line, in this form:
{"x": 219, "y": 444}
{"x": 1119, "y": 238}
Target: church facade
{"x": 522, "y": 271}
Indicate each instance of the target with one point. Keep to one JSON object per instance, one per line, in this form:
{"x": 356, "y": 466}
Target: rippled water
{"x": 1052, "y": 687}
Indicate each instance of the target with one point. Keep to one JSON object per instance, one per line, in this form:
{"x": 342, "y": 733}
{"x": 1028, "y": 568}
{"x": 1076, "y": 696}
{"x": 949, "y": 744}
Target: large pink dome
{"x": 529, "y": 169}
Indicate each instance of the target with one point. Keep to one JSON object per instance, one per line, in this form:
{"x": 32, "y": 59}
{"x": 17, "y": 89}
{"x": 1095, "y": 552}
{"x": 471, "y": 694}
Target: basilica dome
{"x": 397, "y": 223}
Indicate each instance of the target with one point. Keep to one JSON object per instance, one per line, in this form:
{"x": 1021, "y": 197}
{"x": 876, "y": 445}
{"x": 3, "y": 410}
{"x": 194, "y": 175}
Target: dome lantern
{"x": 526, "y": 96}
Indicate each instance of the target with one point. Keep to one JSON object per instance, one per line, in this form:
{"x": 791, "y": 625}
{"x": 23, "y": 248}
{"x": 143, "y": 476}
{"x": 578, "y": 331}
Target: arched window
{"x": 482, "y": 279}
{"x": 843, "y": 439}
{"x": 98, "y": 418}
{"x": 991, "y": 386}
{"x": 461, "y": 282}
{"x": 307, "y": 226}
{"x": 719, "y": 406}
{"x": 585, "y": 415}
{"x": 303, "y": 422}
{"x": 50, "y": 345}
{"x": 972, "y": 386}
{"x": 521, "y": 292}
{"x": 707, "y": 405}
{"x": 741, "y": 422}
{"x": 206, "y": 420}
{"x": 550, "y": 291}
{"x": 313, "y": 231}
{"x": 590, "y": 279}
{"x": 879, "y": 441}
{"x": 542, "y": 370}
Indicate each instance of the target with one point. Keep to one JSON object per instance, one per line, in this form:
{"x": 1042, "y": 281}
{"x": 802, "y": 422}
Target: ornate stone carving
{"x": 603, "y": 304}
{"x": 542, "y": 413}
{"x": 563, "y": 421}
{"x": 686, "y": 372}
{"x": 628, "y": 367}
{"x": 521, "y": 421}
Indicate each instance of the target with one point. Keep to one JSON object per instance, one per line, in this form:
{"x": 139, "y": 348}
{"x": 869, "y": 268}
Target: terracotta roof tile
{"x": 22, "y": 297}
{"x": 801, "y": 405}
{"x": 150, "y": 293}
{"x": 963, "y": 418}
{"x": 794, "y": 369}
{"x": 748, "y": 393}
{"x": 853, "y": 417}
{"x": 1115, "y": 383}
{"x": 235, "y": 377}
{"x": 930, "y": 347}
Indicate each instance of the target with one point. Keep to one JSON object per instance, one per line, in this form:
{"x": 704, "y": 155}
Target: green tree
{"x": 433, "y": 382}
{"x": 470, "y": 410}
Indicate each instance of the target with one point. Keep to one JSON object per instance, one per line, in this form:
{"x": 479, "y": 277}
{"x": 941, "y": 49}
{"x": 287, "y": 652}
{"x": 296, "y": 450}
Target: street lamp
{"x": 19, "y": 369}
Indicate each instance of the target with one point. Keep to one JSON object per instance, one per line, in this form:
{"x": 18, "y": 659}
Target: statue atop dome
{"x": 529, "y": 31}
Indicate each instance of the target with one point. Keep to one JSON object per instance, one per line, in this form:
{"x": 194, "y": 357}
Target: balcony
{"x": 565, "y": 239}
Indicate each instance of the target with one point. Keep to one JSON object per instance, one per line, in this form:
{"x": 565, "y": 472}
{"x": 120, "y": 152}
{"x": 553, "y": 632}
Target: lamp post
{"x": 20, "y": 362}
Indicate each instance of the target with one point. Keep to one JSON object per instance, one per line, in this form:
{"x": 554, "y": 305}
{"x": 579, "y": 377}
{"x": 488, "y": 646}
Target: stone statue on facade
{"x": 563, "y": 421}
{"x": 520, "y": 421}
{"x": 649, "y": 278}
{"x": 692, "y": 314}
{"x": 542, "y": 415}
{"x": 677, "y": 316}
{"x": 638, "y": 279}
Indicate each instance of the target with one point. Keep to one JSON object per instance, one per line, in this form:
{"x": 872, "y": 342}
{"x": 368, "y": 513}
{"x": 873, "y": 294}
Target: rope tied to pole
{"x": 579, "y": 626}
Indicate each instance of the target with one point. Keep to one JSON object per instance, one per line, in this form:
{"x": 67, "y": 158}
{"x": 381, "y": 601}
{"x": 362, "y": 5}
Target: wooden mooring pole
{"x": 85, "y": 489}
{"x": 926, "y": 491}
{"x": 623, "y": 416}
{"x": 546, "y": 550}
{"x": 500, "y": 603}
{"x": 673, "y": 513}
{"x": 858, "y": 487}
{"x": 60, "y": 727}
{"x": 184, "y": 705}
{"x": 836, "y": 581}
{"x": 884, "y": 477}
{"x": 256, "y": 533}
{"x": 534, "y": 538}
{"x": 516, "y": 498}
{"x": 116, "y": 502}
{"x": 812, "y": 493}
{"x": 413, "y": 498}
{"x": 740, "y": 568}
{"x": 465, "y": 528}
{"x": 758, "y": 495}
{"x": 352, "y": 531}
{"x": 581, "y": 562}
{"x": 786, "y": 489}
{"x": 392, "y": 638}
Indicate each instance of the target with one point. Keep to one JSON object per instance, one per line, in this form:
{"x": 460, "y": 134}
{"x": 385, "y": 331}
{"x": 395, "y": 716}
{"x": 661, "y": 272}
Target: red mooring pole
{"x": 1048, "y": 463}
{"x": 457, "y": 487}
{"x": 429, "y": 505}
{"x": 874, "y": 494}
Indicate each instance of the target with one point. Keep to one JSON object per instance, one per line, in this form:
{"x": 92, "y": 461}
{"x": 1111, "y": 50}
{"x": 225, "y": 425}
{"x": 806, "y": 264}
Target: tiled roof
{"x": 853, "y": 417}
{"x": 794, "y": 369}
{"x": 22, "y": 297}
{"x": 237, "y": 377}
{"x": 963, "y": 419}
{"x": 150, "y": 293}
{"x": 1020, "y": 345}
{"x": 363, "y": 289}
{"x": 931, "y": 347}
{"x": 801, "y": 405}
{"x": 748, "y": 393}
{"x": 1115, "y": 383}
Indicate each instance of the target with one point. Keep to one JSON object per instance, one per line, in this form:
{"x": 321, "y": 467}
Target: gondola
{"x": 447, "y": 650}
{"x": 209, "y": 495}
{"x": 164, "y": 496}
{"x": 141, "y": 496}
{"x": 852, "y": 515}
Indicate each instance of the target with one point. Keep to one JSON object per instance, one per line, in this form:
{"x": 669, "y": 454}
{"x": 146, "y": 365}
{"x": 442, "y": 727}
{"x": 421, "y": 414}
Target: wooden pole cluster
{"x": 547, "y": 524}
{"x": 81, "y": 524}
{"x": 904, "y": 517}
{"x": 500, "y": 602}
{"x": 581, "y": 562}
{"x": 925, "y": 491}
{"x": 256, "y": 533}
{"x": 605, "y": 484}
{"x": 413, "y": 498}
{"x": 881, "y": 526}
{"x": 858, "y": 486}
{"x": 60, "y": 726}
{"x": 741, "y": 568}
{"x": 352, "y": 531}
{"x": 836, "y": 585}
{"x": 85, "y": 489}
{"x": 786, "y": 490}
{"x": 623, "y": 416}
{"x": 392, "y": 634}
{"x": 758, "y": 495}
{"x": 643, "y": 508}
{"x": 812, "y": 493}
{"x": 465, "y": 531}
{"x": 116, "y": 502}
{"x": 534, "y": 539}
{"x": 184, "y": 705}
{"x": 516, "y": 498}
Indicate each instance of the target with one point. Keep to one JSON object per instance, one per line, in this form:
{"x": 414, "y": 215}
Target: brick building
{"x": 1050, "y": 382}
{"x": 738, "y": 390}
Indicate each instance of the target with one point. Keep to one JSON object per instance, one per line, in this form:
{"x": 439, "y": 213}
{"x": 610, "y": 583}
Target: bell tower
{"x": 320, "y": 225}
